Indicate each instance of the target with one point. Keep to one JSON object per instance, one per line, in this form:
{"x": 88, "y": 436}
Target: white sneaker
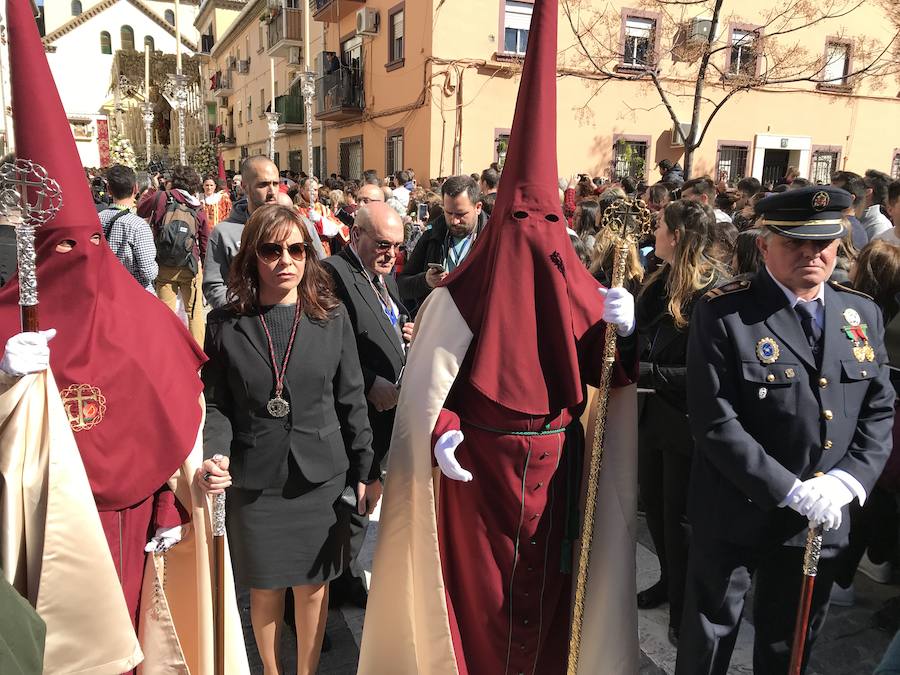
{"x": 879, "y": 573}
{"x": 842, "y": 597}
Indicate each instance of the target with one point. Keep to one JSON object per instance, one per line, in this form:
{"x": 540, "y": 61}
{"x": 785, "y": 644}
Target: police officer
{"x": 791, "y": 408}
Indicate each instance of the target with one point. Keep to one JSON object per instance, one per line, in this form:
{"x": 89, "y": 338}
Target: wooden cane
{"x": 628, "y": 220}
{"x": 810, "y": 569}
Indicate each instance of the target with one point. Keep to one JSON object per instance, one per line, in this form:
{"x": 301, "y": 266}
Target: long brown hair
{"x": 275, "y": 223}
{"x": 693, "y": 265}
{"x": 877, "y": 273}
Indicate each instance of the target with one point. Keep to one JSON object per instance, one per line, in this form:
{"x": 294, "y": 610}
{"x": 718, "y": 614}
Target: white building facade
{"x": 82, "y": 37}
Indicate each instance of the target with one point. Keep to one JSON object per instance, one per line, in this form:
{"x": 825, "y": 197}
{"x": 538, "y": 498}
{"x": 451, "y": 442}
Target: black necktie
{"x": 806, "y": 312}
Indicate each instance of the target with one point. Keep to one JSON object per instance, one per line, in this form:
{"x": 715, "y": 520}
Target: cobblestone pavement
{"x": 852, "y": 642}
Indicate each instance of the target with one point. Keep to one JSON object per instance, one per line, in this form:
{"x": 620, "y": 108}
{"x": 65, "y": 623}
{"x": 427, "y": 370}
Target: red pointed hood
{"x": 522, "y": 290}
{"x": 114, "y": 336}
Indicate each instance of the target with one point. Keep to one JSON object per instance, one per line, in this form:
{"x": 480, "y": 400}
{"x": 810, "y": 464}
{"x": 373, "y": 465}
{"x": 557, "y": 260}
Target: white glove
{"x": 314, "y": 215}
{"x": 165, "y": 538}
{"x": 619, "y": 309}
{"x": 27, "y": 353}
{"x": 821, "y": 499}
{"x": 445, "y": 454}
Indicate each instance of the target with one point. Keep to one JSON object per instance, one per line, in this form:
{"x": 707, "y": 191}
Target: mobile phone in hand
{"x": 436, "y": 267}
{"x": 422, "y": 213}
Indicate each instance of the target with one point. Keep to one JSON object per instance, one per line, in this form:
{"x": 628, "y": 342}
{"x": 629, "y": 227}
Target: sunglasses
{"x": 385, "y": 246}
{"x": 270, "y": 252}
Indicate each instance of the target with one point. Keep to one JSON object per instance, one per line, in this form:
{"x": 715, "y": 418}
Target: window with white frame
{"x": 837, "y": 64}
{"x": 743, "y": 52}
{"x": 516, "y": 23}
{"x": 638, "y": 41}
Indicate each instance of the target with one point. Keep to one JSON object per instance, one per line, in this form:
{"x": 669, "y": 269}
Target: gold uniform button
{"x": 823, "y": 383}
{"x": 828, "y": 445}
{"x": 770, "y": 378}
{"x": 827, "y": 415}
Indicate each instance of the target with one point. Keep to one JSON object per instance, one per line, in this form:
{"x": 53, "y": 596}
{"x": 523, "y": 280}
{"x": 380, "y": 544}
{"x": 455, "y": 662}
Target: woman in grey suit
{"x": 286, "y": 430}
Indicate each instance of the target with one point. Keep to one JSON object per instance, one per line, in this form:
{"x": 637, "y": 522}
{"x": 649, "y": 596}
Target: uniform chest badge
{"x": 85, "y": 406}
{"x": 767, "y": 351}
{"x": 857, "y": 333}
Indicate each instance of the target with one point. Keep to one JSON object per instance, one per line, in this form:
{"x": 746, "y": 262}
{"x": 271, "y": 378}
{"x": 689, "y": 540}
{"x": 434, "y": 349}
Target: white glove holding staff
{"x": 619, "y": 309}
{"x": 445, "y": 454}
{"x": 27, "y": 353}
{"x": 821, "y": 499}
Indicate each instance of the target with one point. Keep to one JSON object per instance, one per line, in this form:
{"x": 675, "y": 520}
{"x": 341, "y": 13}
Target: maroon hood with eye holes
{"x": 523, "y": 292}
{"x": 114, "y": 337}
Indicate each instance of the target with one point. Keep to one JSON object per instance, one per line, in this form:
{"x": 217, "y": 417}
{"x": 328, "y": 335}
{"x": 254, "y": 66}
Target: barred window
{"x": 732, "y": 162}
{"x": 630, "y": 158}
{"x": 824, "y": 164}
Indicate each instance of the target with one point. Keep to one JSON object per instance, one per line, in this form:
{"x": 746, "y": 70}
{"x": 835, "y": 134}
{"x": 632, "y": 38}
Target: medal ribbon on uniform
{"x": 862, "y": 350}
{"x": 277, "y": 406}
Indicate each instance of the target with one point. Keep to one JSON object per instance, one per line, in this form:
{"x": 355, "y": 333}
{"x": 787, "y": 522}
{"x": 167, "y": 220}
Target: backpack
{"x": 176, "y": 235}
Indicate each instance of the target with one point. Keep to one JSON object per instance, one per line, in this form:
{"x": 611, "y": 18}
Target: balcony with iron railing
{"x": 332, "y": 11}
{"x": 291, "y": 111}
{"x": 340, "y": 95}
{"x": 220, "y": 83}
{"x": 285, "y": 30}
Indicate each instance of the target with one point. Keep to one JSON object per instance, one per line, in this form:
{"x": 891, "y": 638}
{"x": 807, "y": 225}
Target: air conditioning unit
{"x": 677, "y": 141}
{"x": 295, "y": 56}
{"x": 367, "y": 21}
{"x": 243, "y": 66}
{"x": 323, "y": 59}
{"x": 700, "y": 29}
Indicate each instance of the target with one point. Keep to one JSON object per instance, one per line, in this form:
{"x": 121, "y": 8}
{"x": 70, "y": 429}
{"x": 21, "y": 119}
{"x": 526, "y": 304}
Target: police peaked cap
{"x": 815, "y": 212}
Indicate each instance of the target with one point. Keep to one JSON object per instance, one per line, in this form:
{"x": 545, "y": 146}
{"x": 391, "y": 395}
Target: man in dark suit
{"x": 446, "y": 243}
{"x": 791, "y": 409}
{"x": 363, "y": 281}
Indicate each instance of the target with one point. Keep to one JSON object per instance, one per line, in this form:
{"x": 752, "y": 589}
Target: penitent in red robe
{"x": 506, "y": 537}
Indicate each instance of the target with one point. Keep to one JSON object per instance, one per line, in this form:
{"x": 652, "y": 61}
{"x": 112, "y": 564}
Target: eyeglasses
{"x": 385, "y": 246}
{"x": 270, "y": 252}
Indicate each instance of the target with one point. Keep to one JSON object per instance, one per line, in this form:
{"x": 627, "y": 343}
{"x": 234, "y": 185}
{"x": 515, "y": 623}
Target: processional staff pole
{"x": 29, "y": 198}
{"x": 218, "y": 531}
{"x": 628, "y": 220}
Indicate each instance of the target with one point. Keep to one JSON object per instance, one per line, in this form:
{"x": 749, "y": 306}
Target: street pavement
{"x": 852, "y": 642}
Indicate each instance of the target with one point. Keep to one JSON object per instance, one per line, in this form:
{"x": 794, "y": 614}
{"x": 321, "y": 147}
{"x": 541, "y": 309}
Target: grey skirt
{"x": 295, "y": 535}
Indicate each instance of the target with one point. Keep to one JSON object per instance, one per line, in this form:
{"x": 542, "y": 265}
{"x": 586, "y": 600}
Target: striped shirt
{"x": 131, "y": 240}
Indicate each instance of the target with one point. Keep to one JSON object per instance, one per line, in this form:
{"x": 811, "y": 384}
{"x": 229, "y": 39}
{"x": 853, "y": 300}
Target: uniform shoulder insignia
{"x": 846, "y": 289}
{"x": 733, "y": 286}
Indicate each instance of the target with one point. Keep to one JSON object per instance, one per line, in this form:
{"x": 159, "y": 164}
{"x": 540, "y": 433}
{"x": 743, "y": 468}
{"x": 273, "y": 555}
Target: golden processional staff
{"x": 29, "y": 198}
{"x": 628, "y": 220}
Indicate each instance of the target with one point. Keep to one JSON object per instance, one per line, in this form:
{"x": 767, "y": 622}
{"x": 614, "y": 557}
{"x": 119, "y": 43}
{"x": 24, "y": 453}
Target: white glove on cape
{"x": 165, "y": 538}
{"x": 619, "y": 309}
{"x": 445, "y": 454}
{"x": 27, "y": 353}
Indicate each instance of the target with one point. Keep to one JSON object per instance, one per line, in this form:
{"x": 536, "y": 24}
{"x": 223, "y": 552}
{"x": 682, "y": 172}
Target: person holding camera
{"x": 287, "y": 430}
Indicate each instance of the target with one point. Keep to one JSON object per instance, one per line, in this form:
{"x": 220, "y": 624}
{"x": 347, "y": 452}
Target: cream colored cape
{"x": 54, "y": 552}
{"x": 407, "y": 629}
